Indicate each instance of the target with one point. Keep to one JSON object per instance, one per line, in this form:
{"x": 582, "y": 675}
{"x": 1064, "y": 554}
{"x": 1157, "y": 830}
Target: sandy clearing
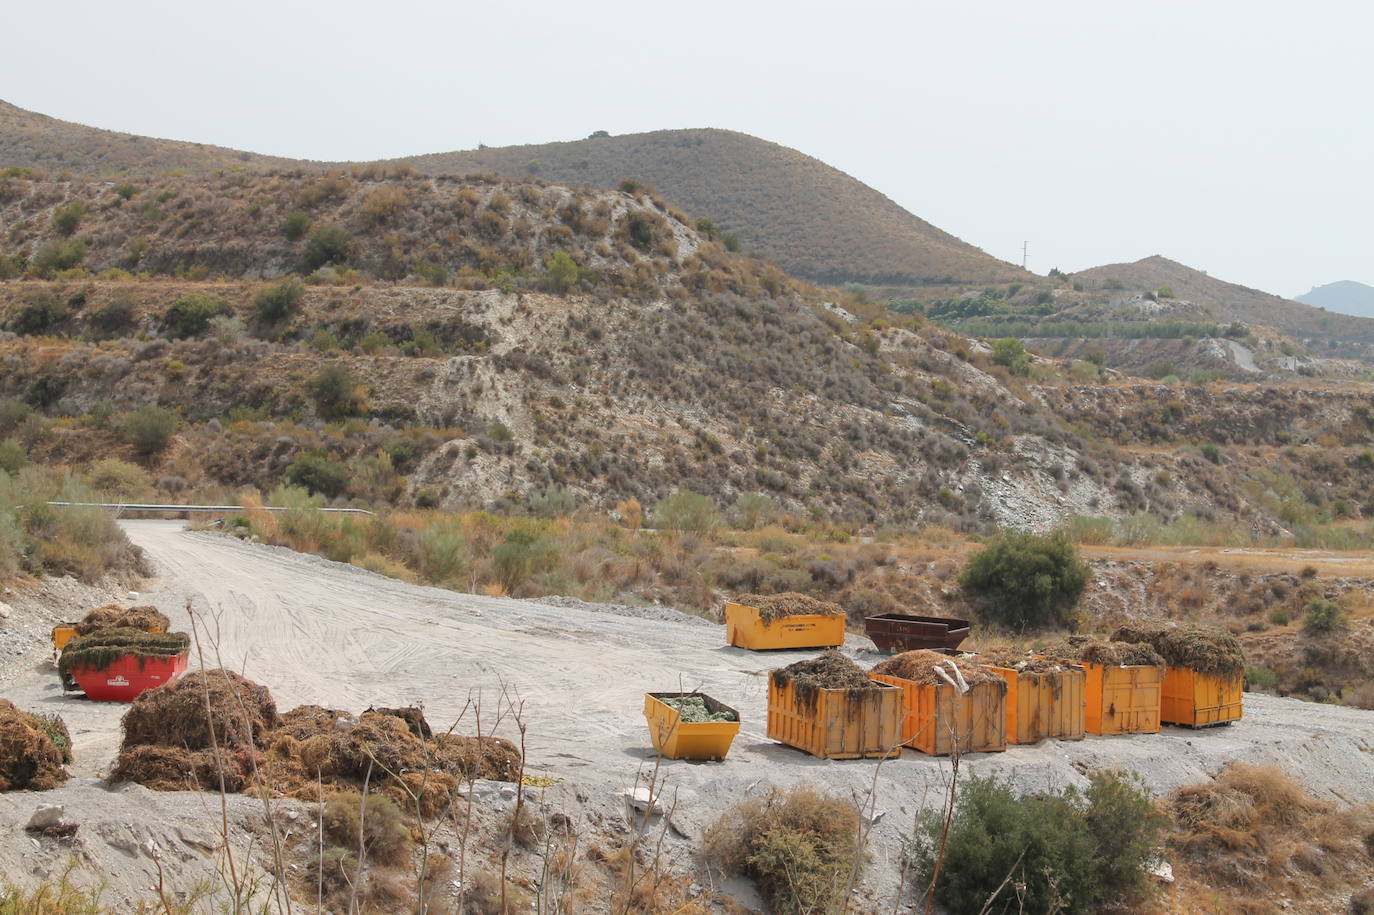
{"x": 316, "y": 631}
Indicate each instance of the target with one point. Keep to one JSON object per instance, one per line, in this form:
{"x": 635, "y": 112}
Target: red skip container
{"x": 125, "y": 679}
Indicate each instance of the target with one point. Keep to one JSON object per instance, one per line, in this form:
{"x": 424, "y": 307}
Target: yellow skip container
{"x": 1041, "y": 705}
{"x": 836, "y": 723}
{"x": 745, "y": 628}
{"x": 1195, "y": 699}
{"x": 936, "y": 718}
{"x": 678, "y": 739}
{"x": 61, "y": 635}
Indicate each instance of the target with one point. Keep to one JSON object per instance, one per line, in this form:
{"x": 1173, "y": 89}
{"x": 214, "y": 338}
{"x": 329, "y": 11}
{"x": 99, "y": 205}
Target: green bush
{"x": 753, "y": 510}
{"x": 67, "y": 217}
{"x": 1211, "y": 453}
{"x": 432, "y": 273}
{"x": 443, "y": 552}
{"x": 561, "y": 273}
{"x": 327, "y": 245}
{"x": 278, "y": 303}
{"x": 335, "y": 391}
{"x": 13, "y": 455}
{"x": 519, "y": 556}
{"x": 553, "y": 502}
{"x": 1260, "y": 679}
{"x": 115, "y": 318}
{"x": 40, "y": 314}
{"x": 189, "y": 316}
{"x": 318, "y": 473}
{"x": 1164, "y": 292}
{"x": 294, "y": 225}
{"x": 1321, "y": 616}
{"x": 116, "y": 479}
{"x": 800, "y": 847}
{"x": 684, "y": 510}
{"x": 1011, "y": 354}
{"x": 1069, "y": 851}
{"x": 125, "y": 191}
{"x": 1026, "y": 580}
{"x": 55, "y": 256}
{"x": 12, "y": 265}
{"x": 150, "y": 428}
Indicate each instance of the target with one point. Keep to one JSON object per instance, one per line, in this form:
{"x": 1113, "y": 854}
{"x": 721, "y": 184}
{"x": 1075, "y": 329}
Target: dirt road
{"x": 320, "y": 632}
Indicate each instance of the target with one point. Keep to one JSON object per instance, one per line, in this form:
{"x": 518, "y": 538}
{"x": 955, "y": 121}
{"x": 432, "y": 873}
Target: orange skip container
{"x": 745, "y": 628}
{"x": 1198, "y": 700}
{"x": 836, "y": 723}
{"x": 1121, "y": 700}
{"x": 936, "y": 719}
{"x": 1044, "y": 705}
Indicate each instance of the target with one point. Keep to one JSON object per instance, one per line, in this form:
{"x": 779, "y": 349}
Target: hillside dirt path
{"x": 320, "y": 632}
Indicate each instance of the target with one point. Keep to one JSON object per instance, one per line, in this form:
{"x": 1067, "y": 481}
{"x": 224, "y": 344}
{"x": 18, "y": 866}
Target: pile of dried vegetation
{"x": 105, "y": 646}
{"x": 919, "y": 667}
{"x": 113, "y": 616}
{"x": 828, "y": 670}
{"x": 214, "y": 730}
{"x": 1254, "y": 829}
{"x": 199, "y": 732}
{"x": 773, "y": 607}
{"x": 1020, "y": 662}
{"x": 1201, "y": 648}
{"x": 32, "y": 750}
{"x": 1097, "y": 651}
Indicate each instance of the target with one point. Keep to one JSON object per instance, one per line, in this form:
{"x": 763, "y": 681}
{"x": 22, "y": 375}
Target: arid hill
{"x": 32, "y": 140}
{"x": 1228, "y": 301}
{"x": 811, "y": 219}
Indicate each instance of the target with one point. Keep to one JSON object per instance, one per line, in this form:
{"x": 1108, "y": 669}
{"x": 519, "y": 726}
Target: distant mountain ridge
{"x": 1345, "y": 296}
{"x": 1228, "y": 301}
{"x": 811, "y": 219}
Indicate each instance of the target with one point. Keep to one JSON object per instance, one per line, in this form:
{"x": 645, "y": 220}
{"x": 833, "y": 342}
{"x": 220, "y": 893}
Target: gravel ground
{"x": 321, "y": 632}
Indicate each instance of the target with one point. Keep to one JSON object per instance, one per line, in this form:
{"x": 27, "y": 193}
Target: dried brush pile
{"x": 1097, "y": 651}
{"x": 1201, "y": 648}
{"x": 214, "y": 730}
{"x": 919, "y": 667}
{"x": 113, "y": 616}
{"x": 30, "y": 759}
{"x": 773, "y": 607}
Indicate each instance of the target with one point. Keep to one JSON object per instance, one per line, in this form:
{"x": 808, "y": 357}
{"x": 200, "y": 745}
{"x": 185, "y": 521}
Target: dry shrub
{"x": 525, "y": 827}
{"x": 919, "y": 667}
{"x": 798, "y": 846}
{"x": 492, "y": 758}
{"x": 29, "y": 759}
{"x": 380, "y": 744}
{"x": 376, "y": 821}
{"x": 1234, "y": 826}
{"x": 113, "y": 616}
{"x": 482, "y": 896}
{"x": 306, "y": 721}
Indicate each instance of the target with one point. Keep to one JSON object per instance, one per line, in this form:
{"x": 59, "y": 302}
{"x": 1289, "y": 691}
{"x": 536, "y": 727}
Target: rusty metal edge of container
{"x": 783, "y": 709}
{"x": 713, "y": 737}
{"x": 1182, "y": 703}
{"x": 745, "y": 628}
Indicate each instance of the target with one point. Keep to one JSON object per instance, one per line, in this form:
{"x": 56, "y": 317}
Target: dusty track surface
{"x": 320, "y": 632}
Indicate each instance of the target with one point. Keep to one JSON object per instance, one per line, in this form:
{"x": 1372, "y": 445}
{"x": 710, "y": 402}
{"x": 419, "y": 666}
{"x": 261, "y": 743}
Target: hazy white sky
{"x": 1232, "y": 135}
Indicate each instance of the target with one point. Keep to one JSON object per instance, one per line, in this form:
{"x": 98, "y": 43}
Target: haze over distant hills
{"x": 811, "y": 219}
{"x": 1229, "y": 301}
{"x": 1344, "y": 296}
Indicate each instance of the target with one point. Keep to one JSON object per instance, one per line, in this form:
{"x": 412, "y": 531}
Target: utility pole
{"x": 1024, "y": 245}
